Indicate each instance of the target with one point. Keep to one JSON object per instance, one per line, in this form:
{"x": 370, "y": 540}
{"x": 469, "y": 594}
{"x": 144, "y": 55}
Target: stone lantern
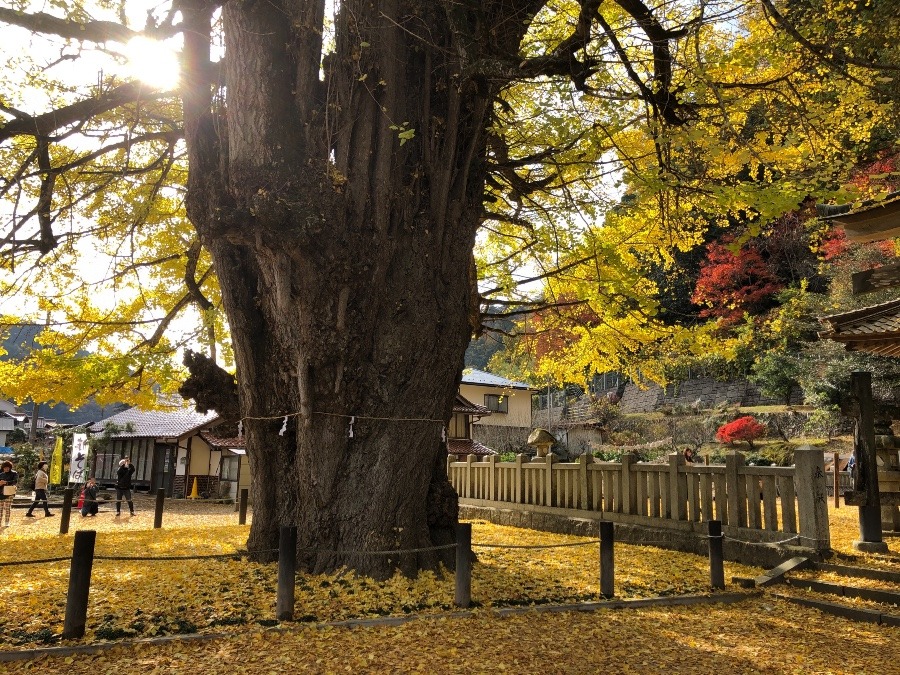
{"x": 543, "y": 440}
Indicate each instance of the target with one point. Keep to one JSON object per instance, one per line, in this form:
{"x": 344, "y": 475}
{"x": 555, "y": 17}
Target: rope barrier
{"x": 213, "y": 556}
{"x": 766, "y": 543}
{"x": 536, "y": 546}
{"x": 398, "y": 552}
{"x": 359, "y": 417}
{"x": 33, "y": 562}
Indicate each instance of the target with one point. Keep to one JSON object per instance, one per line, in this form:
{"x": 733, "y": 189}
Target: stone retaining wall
{"x": 688, "y": 540}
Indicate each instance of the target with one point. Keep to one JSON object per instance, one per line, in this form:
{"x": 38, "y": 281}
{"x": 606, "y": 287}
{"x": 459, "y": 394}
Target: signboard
{"x": 56, "y": 462}
{"x": 79, "y": 463}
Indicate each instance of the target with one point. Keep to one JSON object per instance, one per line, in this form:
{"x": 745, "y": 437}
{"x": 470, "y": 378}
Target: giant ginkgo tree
{"x": 335, "y": 177}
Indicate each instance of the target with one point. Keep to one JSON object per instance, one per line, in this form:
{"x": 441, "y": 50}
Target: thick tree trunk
{"x": 344, "y": 256}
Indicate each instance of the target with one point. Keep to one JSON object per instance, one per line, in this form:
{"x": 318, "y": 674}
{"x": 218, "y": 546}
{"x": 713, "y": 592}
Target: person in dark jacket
{"x": 90, "y": 506}
{"x": 123, "y": 485}
{"x": 41, "y": 483}
{"x": 8, "y": 480}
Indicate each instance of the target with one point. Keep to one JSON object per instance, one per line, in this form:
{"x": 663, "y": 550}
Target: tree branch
{"x": 90, "y": 31}
{"x": 47, "y": 123}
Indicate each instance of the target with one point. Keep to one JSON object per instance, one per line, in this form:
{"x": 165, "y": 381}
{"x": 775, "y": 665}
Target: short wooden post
{"x": 287, "y": 573}
{"x": 79, "y": 584}
{"x": 160, "y": 501}
{"x": 716, "y": 555}
{"x": 837, "y": 480}
{"x": 463, "y": 595}
{"x": 607, "y": 559}
{"x": 242, "y": 510}
{"x": 66, "y": 511}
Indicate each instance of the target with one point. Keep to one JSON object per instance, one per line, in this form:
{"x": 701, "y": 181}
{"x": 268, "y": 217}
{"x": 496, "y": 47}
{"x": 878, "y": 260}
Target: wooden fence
{"x": 764, "y": 504}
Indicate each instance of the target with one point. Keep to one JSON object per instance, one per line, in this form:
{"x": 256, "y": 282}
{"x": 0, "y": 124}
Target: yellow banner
{"x": 56, "y": 462}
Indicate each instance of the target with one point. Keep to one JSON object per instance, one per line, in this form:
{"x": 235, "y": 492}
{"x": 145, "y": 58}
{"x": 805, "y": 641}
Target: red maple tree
{"x": 731, "y": 284}
{"x": 742, "y": 429}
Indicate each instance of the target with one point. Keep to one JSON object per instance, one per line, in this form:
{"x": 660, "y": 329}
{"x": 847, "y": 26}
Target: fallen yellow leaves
{"x": 143, "y": 597}
{"x": 755, "y": 636}
{"x": 146, "y": 598}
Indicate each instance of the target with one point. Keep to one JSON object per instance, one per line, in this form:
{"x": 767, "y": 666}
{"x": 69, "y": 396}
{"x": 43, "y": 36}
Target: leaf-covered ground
{"x": 145, "y": 598}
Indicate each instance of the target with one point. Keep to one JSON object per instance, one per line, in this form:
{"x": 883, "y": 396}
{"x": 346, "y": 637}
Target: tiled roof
{"x": 219, "y": 442}
{"x": 166, "y": 423}
{"x": 466, "y": 446}
{"x": 463, "y": 405}
{"x": 874, "y": 329}
{"x": 473, "y": 376}
{"x": 872, "y": 221}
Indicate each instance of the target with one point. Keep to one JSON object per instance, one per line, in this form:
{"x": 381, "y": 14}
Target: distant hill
{"x": 17, "y": 342}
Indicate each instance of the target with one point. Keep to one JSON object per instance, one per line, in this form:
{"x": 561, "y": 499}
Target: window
{"x": 229, "y": 468}
{"x": 459, "y": 426}
{"x": 498, "y": 403}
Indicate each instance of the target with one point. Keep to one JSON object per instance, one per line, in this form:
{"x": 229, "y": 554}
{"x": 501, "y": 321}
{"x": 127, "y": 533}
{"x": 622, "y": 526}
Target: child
{"x": 90, "y": 507}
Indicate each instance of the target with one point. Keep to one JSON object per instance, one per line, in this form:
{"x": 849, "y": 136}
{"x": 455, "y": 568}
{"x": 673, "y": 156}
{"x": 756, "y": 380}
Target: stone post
{"x": 812, "y": 498}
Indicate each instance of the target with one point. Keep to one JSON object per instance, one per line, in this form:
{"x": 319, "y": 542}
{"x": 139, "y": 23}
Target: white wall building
{"x": 508, "y": 425}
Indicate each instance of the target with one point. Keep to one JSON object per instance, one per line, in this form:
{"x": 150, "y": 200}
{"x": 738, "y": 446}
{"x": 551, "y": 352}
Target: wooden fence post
{"x": 470, "y": 477}
{"x": 66, "y": 511}
{"x": 242, "y": 510}
{"x": 492, "y": 477}
{"x": 812, "y": 499}
{"x": 607, "y": 559}
{"x": 629, "y": 497}
{"x": 735, "y": 490}
{"x": 716, "y": 555}
{"x": 158, "y": 514}
{"x": 463, "y": 593}
{"x": 549, "y": 460}
{"x": 287, "y": 573}
{"x": 519, "y": 477}
{"x": 79, "y": 584}
{"x": 677, "y": 488}
{"x": 584, "y": 485}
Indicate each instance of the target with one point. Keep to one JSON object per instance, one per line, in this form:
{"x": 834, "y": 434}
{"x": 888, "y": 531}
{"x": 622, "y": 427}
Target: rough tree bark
{"x": 345, "y": 256}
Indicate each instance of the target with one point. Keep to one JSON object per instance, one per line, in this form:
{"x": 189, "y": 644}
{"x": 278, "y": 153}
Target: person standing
{"x": 8, "y": 480}
{"x": 90, "y": 507}
{"x": 41, "y": 483}
{"x": 123, "y": 485}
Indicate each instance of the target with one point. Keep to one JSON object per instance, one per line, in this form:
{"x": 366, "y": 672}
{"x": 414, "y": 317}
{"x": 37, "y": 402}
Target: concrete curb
{"x": 638, "y": 603}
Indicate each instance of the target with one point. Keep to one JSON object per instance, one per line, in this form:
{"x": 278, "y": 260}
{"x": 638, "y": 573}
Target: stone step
{"x": 837, "y": 609}
{"x": 859, "y": 572}
{"x": 871, "y": 594}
